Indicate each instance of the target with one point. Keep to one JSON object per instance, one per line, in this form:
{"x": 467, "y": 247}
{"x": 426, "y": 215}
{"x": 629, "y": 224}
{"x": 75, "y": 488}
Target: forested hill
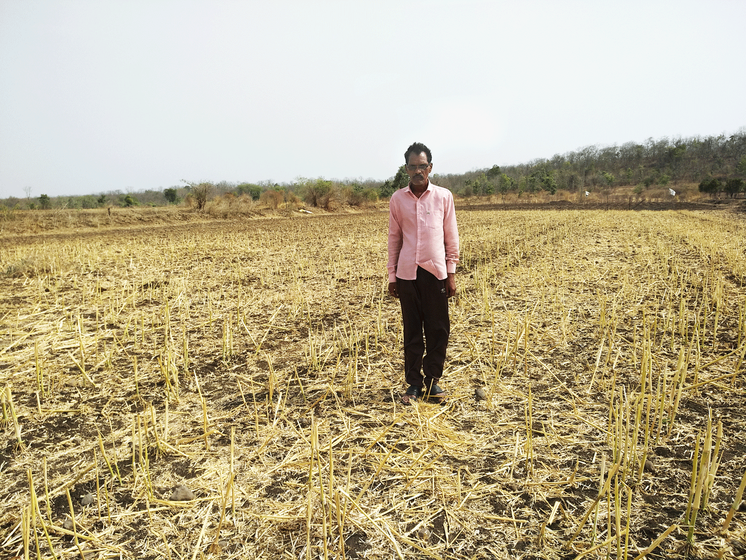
{"x": 712, "y": 160}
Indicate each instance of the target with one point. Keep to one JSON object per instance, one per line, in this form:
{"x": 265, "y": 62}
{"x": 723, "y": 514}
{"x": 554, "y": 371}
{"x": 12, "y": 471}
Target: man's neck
{"x": 418, "y": 191}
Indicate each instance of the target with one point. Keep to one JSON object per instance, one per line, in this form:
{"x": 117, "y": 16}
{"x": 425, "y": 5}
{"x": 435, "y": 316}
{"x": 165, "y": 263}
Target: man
{"x": 423, "y": 251}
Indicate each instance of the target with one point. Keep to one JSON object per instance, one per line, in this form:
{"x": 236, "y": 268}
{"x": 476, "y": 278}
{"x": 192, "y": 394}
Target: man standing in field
{"x": 423, "y": 252}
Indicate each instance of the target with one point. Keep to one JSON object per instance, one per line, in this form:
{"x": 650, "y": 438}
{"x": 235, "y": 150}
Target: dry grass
{"x": 258, "y": 363}
{"x": 23, "y": 222}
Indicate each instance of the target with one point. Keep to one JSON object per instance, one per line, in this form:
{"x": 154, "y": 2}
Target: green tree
{"x": 573, "y": 181}
{"x": 478, "y": 184}
{"x": 390, "y": 186}
{"x": 130, "y": 201}
{"x": 401, "y": 179}
{"x": 101, "y": 200}
{"x": 629, "y": 174}
{"x": 387, "y": 189}
{"x": 549, "y": 183}
{"x": 734, "y": 186}
{"x": 171, "y": 195}
{"x": 741, "y": 167}
{"x": 506, "y": 183}
{"x": 710, "y": 186}
{"x": 675, "y": 157}
{"x": 88, "y": 201}
{"x": 484, "y": 184}
{"x": 542, "y": 178}
{"x": 45, "y": 203}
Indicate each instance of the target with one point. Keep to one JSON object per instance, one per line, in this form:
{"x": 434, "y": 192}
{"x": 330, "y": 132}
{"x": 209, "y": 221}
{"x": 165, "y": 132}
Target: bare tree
{"x": 200, "y": 193}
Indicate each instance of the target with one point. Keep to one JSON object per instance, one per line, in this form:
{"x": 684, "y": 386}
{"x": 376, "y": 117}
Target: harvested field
{"x": 258, "y": 364}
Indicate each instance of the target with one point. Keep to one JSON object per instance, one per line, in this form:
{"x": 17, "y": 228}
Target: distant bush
{"x": 200, "y": 194}
{"x": 357, "y": 199}
{"x": 319, "y": 193}
{"x": 356, "y": 195}
{"x": 7, "y": 214}
{"x": 371, "y": 194}
{"x": 229, "y": 205}
{"x": 292, "y": 200}
{"x": 88, "y": 202}
{"x": 254, "y": 191}
{"x": 272, "y": 198}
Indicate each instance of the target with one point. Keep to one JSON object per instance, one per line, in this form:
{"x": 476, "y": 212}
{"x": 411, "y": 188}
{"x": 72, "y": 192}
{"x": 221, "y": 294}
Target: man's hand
{"x": 392, "y": 290}
{"x": 450, "y": 285}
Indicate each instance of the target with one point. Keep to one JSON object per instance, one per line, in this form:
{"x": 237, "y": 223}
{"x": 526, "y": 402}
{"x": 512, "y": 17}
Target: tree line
{"x": 716, "y": 163}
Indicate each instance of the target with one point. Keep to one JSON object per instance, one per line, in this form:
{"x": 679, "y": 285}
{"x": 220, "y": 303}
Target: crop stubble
{"x": 259, "y": 364}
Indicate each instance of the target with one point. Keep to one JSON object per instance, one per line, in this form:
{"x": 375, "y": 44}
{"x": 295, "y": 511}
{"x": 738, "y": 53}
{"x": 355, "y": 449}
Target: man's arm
{"x": 394, "y": 247}
{"x": 450, "y": 285}
{"x": 451, "y": 240}
{"x": 393, "y": 292}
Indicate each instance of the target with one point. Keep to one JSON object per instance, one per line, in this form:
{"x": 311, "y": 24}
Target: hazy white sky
{"x": 138, "y": 94}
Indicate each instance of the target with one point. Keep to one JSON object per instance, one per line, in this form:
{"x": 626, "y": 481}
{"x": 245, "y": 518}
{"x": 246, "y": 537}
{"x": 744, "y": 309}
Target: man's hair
{"x": 417, "y": 148}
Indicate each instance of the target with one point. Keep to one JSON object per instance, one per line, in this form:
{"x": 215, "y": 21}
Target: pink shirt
{"x": 422, "y": 232}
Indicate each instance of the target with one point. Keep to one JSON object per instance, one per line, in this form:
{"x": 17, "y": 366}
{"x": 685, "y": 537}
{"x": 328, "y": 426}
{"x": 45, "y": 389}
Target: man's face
{"x": 418, "y": 169}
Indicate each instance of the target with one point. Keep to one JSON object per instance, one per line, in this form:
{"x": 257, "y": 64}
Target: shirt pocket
{"x": 434, "y": 218}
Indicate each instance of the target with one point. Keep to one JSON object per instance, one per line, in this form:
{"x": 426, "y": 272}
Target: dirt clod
{"x": 182, "y": 494}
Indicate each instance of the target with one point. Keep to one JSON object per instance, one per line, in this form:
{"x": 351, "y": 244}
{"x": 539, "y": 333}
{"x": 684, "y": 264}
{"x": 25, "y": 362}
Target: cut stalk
{"x": 736, "y": 503}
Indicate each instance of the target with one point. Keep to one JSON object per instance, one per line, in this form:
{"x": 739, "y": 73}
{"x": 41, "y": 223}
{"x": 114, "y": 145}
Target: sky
{"x": 132, "y": 95}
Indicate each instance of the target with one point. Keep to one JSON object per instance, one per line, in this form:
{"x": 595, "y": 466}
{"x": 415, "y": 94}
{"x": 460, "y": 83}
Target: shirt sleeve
{"x": 395, "y": 240}
{"x": 450, "y": 235}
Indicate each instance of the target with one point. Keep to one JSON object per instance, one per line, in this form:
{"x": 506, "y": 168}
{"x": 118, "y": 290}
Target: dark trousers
{"x": 424, "y": 306}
